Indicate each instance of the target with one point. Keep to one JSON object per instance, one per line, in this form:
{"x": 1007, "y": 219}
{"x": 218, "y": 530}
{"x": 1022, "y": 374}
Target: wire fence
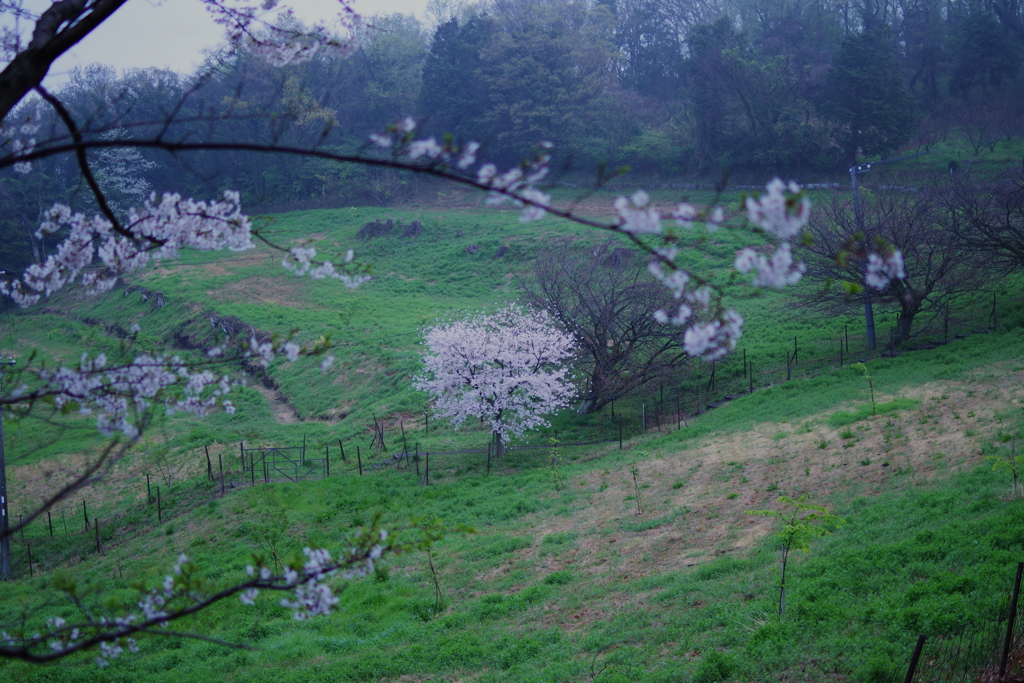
{"x": 666, "y": 404}
{"x": 991, "y": 649}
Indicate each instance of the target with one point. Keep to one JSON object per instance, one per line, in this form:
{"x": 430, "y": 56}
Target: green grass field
{"x": 557, "y": 584}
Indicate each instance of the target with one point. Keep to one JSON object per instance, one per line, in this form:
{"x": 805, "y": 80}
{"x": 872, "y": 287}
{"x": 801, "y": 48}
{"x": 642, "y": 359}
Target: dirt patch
{"x": 265, "y": 290}
{"x": 696, "y": 500}
{"x": 284, "y": 413}
{"x": 32, "y": 484}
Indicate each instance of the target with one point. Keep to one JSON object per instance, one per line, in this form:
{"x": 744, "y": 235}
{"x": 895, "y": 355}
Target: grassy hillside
{"x": 556, "y": 580}
{"x": 563, "y": 584}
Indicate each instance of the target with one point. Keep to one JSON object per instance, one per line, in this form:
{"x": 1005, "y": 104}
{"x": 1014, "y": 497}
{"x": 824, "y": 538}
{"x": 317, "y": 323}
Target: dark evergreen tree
{"x": 453, "y": 97}
{"x": 985, "y": 55}
{"x": 865, "y": 97}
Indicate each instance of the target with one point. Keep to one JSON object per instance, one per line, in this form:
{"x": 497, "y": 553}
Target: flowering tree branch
{"x": 83, "y": 162}
{"x": 309, "y": 582}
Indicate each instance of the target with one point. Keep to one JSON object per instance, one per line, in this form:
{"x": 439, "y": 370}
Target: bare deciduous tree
{"x": 605, "y": 298}
{"x": 993, "y": 216}
{"x": 940, "y": 267}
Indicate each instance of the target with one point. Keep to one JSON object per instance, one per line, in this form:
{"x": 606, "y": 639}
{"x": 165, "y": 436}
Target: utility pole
{"x": 869, "y": 315}
{"x": 5, "y": 541}
{"x": 855, "y": 170}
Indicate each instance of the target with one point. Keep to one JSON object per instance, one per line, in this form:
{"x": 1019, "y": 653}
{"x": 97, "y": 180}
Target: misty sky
{"x": 173, "y": 33}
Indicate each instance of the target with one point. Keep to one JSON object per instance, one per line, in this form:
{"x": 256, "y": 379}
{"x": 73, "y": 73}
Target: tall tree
{"x": 985, "y": 56}
{"x": 865, "y": 97}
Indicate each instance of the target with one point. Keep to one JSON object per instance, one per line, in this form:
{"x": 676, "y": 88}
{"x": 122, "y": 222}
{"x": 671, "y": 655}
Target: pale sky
{"x": 172, "y": 33}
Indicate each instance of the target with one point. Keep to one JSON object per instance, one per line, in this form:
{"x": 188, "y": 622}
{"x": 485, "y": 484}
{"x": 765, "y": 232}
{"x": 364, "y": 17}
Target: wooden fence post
{"x": 914, "y": 659}
{"x": 159, "y": 511}
{"x": 85, "y": 514}
{"x": 96, "y": 525}
{"x": 342, "y": 447}
{"x": 220, "y": 465}
{"x": 359, "y": 459}
{"x": 49, "y": 522}
{"x": 327, "y": 460}
{"x": 1010, "y": 620}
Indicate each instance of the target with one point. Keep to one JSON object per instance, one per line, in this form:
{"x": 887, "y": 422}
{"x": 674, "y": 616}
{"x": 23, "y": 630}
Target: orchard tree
{"x": 931, "y": 265}
{"x": 606, "y": 298}
{"x": 509, "y": 369}
{"x": 993, "y": 216}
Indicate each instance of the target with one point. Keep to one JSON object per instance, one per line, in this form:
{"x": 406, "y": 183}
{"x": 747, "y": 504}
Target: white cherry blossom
{"x": 505, "y": 368}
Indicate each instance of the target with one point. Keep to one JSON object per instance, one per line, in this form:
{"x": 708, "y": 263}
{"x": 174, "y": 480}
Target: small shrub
{"x": 558, "y": 578}
{"x": 715, "y": 667}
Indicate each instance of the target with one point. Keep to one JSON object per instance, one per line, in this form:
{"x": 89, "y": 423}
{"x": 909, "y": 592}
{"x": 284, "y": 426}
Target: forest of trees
{"x": 669, "y": 87}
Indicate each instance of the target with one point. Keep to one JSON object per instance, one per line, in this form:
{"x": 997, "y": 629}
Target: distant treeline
{"x": 668, "y": 87}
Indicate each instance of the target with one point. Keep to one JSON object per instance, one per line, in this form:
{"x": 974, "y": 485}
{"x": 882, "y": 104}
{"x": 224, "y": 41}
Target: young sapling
{"x": 802, "y": 522}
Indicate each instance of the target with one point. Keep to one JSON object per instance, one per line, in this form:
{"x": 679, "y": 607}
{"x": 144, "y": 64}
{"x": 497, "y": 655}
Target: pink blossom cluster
{"x": 776, "y": 272}
{"x": 157, "y": 230}
{"x": 311, "y": 596}
{"x": 783, "y": 210}
{"x": 882, "y": 269}
{"x": 398, "y": 137}
{"x": 286, "y": 41}
{"x": 637, "y": 215}
{"x": 517, "y": 185}
{"x": 18, "y": 138}
{"x": 506, "y": 368}
{"x": 182, "y": 589}
{"x": 116, "y": 393}
{"x": 300, "y": 261}
{"x": 715, "y": 339}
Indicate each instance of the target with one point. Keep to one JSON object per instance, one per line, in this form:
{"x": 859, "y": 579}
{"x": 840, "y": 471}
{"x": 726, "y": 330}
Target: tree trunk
{"x": 906, "y": 321}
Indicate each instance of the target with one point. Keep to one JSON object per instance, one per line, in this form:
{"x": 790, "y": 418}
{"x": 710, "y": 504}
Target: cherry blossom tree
{"x": 508, "y": 369}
